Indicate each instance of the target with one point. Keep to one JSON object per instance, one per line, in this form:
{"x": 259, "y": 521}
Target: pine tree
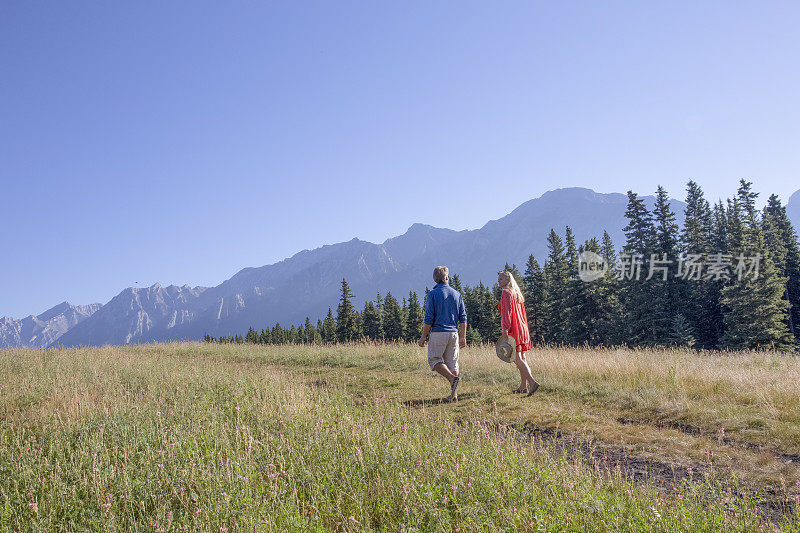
{"x": 608, "y": 251}
{"x": 392, "y": 318}
{"x": 473, "y": 337}
{"x": 556, "y": 271}
{"x": 491, "y": 312}
{"x": 312, "y": 336}
{"x": 666, "y": 228}
{"x": 695, "y": 236}
{"x": 414, "y": 319}
{"x": 472, "y": 303}
{"x": 573, "y": 333}
{"x": 583, "y": 307}
{"x": 486, "y": 312}
{"x": 666, "y": 301}
{"x": 755, "y": 311}
{"x": 291, "y": 335}
{"x": 328, "y": 329}
{"x": 610, "y": 326}
{"x": 719, "y": 228}
{"x": 699, "y": 298}
{"x": 455, "y": 282}
{"x": 781, "y": 241}
{"x": 404, "y": 313}
{"x": 278, "y": 335}
{"x": 640, "y": 233}
{"x": 264, "y": 337}
{"x": 641, "y": 324}
{"x": 372, "y": 322}
{"x": 594, "y": 310}
{"x": 535, "y": 299}
{"x": 252, "y": 336}
{"x": 713, "y": 321}
{"x": 359, "y": 329}
{"x": 346, "y": 321}
{"x": 379, "y": 310}
{"x": 681, "y": 333}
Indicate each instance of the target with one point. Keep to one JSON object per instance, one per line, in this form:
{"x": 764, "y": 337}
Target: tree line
{"x": 381, "y": 320}
{"x": 683, "y": 305}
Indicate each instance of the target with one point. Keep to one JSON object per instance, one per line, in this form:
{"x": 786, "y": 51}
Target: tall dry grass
{"x": 175, "y": 437}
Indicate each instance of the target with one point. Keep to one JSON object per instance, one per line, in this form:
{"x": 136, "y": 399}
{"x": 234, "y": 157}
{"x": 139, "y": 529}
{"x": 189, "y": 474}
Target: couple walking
{"x": 445, "y": 328}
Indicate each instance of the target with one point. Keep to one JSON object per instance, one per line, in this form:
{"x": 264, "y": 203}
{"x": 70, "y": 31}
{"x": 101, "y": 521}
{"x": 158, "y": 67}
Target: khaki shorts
{"x": 443, "y": 348}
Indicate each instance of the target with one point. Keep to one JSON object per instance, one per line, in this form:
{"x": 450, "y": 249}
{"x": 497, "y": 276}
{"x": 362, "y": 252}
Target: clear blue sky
{"x": 181, "y": 141}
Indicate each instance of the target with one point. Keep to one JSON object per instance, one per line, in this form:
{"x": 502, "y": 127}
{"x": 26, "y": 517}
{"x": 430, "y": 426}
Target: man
{"x": 446, "y": 322}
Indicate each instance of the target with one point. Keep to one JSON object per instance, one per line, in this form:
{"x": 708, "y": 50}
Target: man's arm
{"x": 430, "y": 310}
{"x": 462, "y": 322}
{"x": 426, "y": 328}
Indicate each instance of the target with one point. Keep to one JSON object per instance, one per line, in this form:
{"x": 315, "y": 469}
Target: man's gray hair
{"x": 440, "y": 273}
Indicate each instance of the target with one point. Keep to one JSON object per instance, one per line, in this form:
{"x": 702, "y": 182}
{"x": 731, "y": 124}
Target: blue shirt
{"x": 444, "y": 308}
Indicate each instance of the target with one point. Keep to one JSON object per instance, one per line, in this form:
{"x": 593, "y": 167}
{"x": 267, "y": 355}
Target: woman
{"x": 515, "y": 323}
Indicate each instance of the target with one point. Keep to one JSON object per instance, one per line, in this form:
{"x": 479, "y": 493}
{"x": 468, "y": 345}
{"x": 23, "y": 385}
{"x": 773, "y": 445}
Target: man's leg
{"x": 451, "y": 361}
{"x": 437, "y": 345}
{"x": 442, "y": 369}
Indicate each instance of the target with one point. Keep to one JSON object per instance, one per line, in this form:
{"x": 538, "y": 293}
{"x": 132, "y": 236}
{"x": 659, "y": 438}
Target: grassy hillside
{"x": 176, "y": 437}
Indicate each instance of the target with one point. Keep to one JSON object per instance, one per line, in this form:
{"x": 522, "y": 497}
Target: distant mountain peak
{"x": 417, "y": 226}
{"x": 55, "y": 310}
{"x": 44, "y": 329}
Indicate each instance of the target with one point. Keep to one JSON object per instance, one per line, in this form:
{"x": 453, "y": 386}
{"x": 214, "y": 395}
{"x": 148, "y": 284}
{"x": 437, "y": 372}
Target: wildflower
{"x": 34, "y": 506}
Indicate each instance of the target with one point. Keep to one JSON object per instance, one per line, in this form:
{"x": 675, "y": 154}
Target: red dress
{"x": 515, "y": 321}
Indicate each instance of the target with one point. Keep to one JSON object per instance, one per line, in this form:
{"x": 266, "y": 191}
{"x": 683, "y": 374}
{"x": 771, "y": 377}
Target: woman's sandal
{"x": 532, "y": 389}
{"x": 519, "y": 391}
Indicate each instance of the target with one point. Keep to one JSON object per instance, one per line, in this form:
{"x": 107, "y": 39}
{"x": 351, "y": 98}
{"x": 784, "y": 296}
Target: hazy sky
{"x": 179, "y": 142}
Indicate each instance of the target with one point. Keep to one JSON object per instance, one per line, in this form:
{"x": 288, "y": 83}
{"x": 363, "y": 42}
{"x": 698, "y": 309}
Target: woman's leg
{"x": 522, "y": 386}
{"x": 524, "y": 371}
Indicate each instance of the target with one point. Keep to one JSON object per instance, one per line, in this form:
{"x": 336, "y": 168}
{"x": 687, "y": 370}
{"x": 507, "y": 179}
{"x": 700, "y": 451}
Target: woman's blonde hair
{"x": 512, "y": 286}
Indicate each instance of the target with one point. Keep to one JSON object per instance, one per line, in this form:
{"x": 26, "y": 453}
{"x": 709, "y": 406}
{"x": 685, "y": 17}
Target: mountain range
{"x": 43, "y": 330}
{"x": 307, "y": 283}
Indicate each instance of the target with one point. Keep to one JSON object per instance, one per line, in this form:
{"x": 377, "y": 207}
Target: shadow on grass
{"x": 424, "y": 402}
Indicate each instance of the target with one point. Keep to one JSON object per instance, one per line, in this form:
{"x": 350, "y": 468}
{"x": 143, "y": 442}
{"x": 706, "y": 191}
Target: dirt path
{"x": 608, "y": 458}
{"x": 665, "y": 455}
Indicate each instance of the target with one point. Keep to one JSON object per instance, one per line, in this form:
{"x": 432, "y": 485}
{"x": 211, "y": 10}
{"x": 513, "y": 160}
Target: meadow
{"x": 355, "y": 437}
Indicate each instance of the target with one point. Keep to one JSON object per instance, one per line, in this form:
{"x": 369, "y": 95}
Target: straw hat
{"x": 505, "y": 348}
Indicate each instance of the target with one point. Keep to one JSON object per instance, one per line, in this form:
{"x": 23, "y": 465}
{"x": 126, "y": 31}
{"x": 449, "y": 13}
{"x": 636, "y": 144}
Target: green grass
{"x": 181, "y": 437}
